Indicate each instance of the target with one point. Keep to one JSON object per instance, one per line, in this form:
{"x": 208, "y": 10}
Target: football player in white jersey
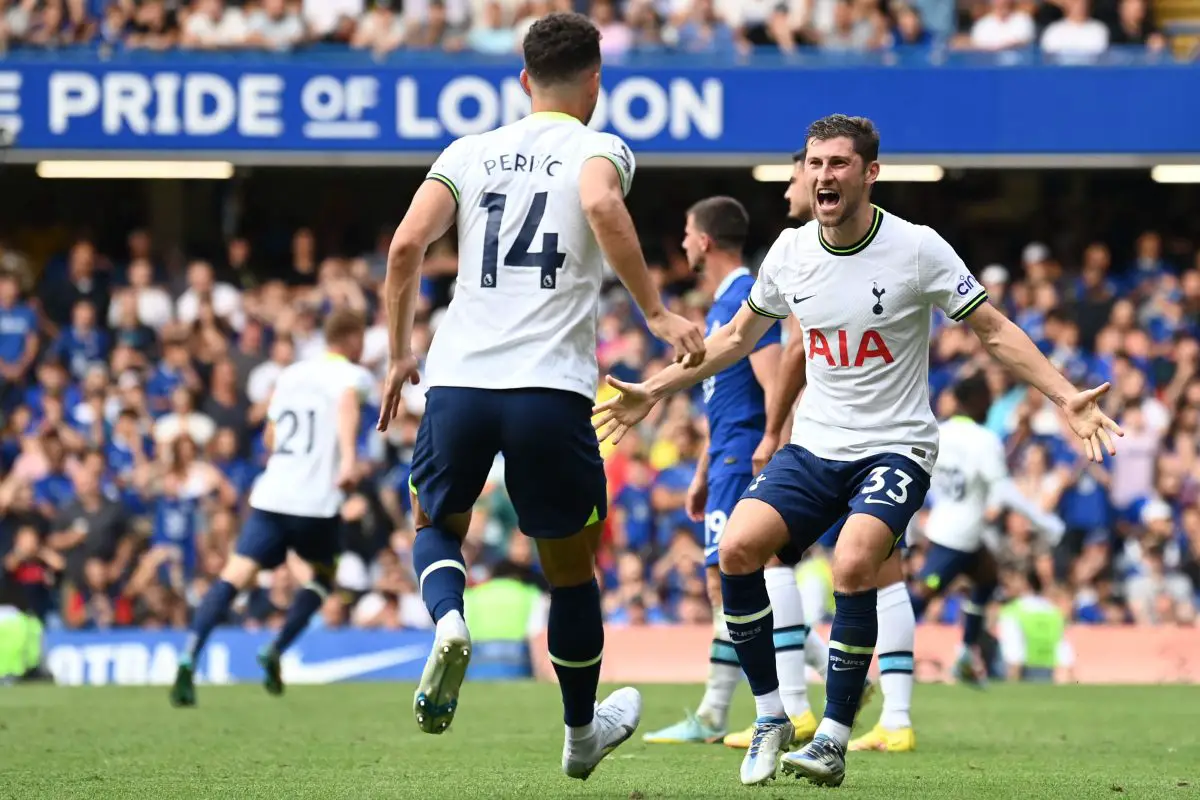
{"x": 539, "y": 206}
{"x": 312, "y": 432}
{"x": 863, "y": 285}
{"x": 970, "y": 483}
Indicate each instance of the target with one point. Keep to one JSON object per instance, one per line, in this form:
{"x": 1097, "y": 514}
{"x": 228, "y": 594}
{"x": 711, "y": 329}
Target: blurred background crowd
{"x": 1072, "y": 28}
{"x": 133, "y": 387}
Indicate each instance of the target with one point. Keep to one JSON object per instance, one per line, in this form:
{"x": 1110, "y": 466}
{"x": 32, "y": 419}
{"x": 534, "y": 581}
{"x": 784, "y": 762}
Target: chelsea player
{"x": 735, "y": 402}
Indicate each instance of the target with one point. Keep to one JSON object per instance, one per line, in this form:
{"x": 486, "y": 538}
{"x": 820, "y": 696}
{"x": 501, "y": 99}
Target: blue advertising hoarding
{"x": 138, "y": 658}
{"x": 263, "y": 109}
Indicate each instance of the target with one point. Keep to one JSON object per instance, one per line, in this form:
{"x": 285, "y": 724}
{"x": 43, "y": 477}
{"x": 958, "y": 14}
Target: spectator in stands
{"x": 92, "y": 533}
{"x": 182, "y": 420}
{"x": 81, "y": 344}
{"x": 154, "y": 307}
{"x": 155, "y": 27}
{"x": 381, "y": 30}
{"x": 615, "y": 37}
{"x": 1077, "y": 33}
{"x": 223, "y": 404}
{"x": 491, "y": 34}
{"x": 1158, "y": 591}
{"x": 211, "y": 26}
{"x": 704, "y": 32}
{"x": 848, "y": 33}
{"x": 84, "y": 281}
{"x": 908, "y": 32}
{"x": 435, "y": 31}
{"x": 18, "y": 340}
{"x": 1004, "y": 27}
{"x": 226, "y": 301}
{"x": 1134, "y": 26}
{"x": 274, "y": 27}
{"x": 326, "y": 19}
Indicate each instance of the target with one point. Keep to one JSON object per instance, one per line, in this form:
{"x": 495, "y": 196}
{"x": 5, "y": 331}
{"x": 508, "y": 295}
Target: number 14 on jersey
{"x": 548, "y": 259}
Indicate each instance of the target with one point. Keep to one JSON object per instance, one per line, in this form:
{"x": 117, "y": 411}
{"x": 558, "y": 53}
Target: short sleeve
{"x": 765, "y": 297}
{"x": 945, "y": 280}
{"x": 451, "y": 167}
{"x": 606, "y": 145}
{"x": 993, "y": 463}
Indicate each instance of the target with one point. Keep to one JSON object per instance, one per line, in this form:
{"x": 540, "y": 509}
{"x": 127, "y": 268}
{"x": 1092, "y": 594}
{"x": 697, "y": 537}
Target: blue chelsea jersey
{"x": 733, "y": 399}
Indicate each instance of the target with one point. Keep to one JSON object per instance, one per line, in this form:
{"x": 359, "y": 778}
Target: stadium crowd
{"x": 495, "y": 27}
{"x": 133, "y": 406}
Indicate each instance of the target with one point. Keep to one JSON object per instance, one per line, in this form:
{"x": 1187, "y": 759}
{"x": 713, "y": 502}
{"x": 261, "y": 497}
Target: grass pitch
{"x": 359, "y": 741}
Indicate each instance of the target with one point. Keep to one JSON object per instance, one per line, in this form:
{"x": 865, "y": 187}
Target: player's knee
{"x": 740, "y": 554}
{"x": 855, "y": 567}
{"x": 240, "y": 571}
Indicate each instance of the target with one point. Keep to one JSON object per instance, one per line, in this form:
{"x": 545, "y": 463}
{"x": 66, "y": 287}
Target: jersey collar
{"x": 338, "y": 357}
{"x": 554, "y": 116}
{"x": 962, "y": 418}
{"x": 861, "y": 244}
{"x": 729, "y": 279}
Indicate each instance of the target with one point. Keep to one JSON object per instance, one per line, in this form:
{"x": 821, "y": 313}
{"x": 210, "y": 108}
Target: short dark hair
{"x": 724, "y": 220}
{"x": 559, "y": 47}
{"x": 859, "y": 130}
{"x": 973, "y": 396}
{"x": 342, "y": 323}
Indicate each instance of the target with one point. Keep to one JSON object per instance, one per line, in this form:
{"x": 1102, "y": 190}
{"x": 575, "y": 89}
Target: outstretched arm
{"x": 727, "y": 345}
{"x": 1009, "y": 345}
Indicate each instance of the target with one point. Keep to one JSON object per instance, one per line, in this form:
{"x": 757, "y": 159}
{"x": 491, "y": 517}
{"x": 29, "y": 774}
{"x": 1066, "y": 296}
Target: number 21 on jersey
{"x": 548, "y": 259}
{"x": 294, "y": 432}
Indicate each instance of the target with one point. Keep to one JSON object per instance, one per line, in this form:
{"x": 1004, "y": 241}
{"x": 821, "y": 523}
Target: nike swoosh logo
{"x": 836, "y": 668}
{"x": 797, "y": 299}
{"x": 879, "y": 502}
{"x": 340, "y": 669}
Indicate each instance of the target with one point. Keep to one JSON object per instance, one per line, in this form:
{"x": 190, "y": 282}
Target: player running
{"x": 862, "y": 284}
{"x": 714, "y": 238}
{"x": 970, "y": 483}
{"x": 312, "y": 429}
{"x": 539, "y": 206}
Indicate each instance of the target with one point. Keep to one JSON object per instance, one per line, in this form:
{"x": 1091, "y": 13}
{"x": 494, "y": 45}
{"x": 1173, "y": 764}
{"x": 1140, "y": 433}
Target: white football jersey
{"x": 866, "y": 311}
{"x": 301, "y": 474}
{"x": 529, "y": 269}
{"x": 970, "y": 466}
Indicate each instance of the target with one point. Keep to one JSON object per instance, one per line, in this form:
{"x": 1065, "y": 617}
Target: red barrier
{"x": 1103, "y": 654}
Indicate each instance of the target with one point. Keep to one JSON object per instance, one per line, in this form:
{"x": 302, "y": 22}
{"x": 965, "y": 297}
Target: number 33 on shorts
{"x": 891, "y": 481}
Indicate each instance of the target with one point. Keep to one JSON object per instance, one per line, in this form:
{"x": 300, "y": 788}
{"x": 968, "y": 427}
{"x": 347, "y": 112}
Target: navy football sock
{"x": 438, "y": 561}
{"x": 210, "y": 613}
{"x": 750, "y": 621}
{"x": 851, "y": 645}
{"x": 305, "y": 604}
{"x": 575, "y": 634}
{"x": 973, "y": 612}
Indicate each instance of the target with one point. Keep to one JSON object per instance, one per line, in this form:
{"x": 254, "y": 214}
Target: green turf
{"x": 360, "y": 741}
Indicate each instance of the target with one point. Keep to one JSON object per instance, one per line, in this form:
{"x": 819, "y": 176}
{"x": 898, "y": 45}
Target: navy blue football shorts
{"x": 552, "y": 467}
{"x": 815, "y": 495}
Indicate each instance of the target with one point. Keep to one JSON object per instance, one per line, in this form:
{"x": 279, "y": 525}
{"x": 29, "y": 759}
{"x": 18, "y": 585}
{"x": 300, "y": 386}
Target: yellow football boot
{"x": 805, "y": 725}
{"x": 886, "y": 741}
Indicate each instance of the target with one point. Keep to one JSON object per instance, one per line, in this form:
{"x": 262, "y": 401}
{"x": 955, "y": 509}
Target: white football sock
{"x": 723, "y": 674}
{"x": 894, "y": 649}
{"x": 816, "y": 653}
{"x": 790, "y": 635}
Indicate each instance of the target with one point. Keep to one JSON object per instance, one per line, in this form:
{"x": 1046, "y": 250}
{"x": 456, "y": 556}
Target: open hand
{"x": 613, "y": 418}
{"x": 1091, "y": 424}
